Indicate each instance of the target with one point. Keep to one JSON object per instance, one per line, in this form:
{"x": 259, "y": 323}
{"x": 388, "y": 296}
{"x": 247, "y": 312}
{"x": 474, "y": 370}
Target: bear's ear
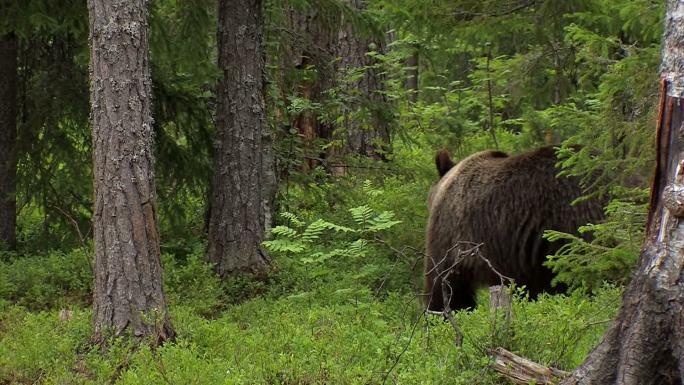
{"x": 443, "y": 162}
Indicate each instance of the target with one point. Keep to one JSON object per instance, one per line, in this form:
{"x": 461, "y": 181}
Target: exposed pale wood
{"x": 500, "y": 299}
{"x": 523, "y": 371}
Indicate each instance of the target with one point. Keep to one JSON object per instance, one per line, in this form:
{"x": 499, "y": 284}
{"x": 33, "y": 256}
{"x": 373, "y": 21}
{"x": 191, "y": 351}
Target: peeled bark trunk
{"x": 243, "y": 185}
{"x": 8, "y": 134}
{"x": 645, "y": 343}
{"x": 128, "y": 297}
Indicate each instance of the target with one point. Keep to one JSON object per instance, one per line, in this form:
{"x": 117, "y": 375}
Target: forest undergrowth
{"x": 341, "y": 305}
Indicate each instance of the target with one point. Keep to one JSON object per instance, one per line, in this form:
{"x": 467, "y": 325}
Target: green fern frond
{"x": 284, "y": 231}
{"x": 382, "y": 221}
{"x": 285, "y": 246}
{"x": 358, "y": 248}
{"x": 361, "y": 214}
{"x": 292, "y": 218}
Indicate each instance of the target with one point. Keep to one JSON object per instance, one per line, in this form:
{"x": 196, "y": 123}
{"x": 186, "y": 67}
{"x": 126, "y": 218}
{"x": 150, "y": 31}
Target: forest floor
{"x": 324, "y": 335}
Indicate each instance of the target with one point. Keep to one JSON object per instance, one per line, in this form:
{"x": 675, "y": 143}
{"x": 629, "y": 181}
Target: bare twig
{"x": 492, "y": 130}
{"x": 81, "y": 238}
{"x": 446, "y": 295}
{"x": 502, "y": 277}
{"x": 504, "y": 12}
{"x": 402, "y": 254}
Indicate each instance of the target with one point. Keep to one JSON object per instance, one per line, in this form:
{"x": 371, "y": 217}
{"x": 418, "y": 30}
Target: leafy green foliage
{"x": 302, "y": 239}
{"x": 43, "y": 282}
{"x": 612, "y": 250}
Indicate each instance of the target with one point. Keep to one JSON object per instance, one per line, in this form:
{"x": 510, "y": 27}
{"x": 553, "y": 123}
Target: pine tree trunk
{"x": 645, "y": 344}
{"x": 351, "y": 51}
{"x": 8, "y": 134}
{"x": 128, "y": 295}
{"x": 243, "y": 185}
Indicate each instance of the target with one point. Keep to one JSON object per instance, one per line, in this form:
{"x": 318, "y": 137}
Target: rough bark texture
{"x": 310, "y": 48}
{"x": 336, "y": 48}
{"x": 8, "y": 134}
{"x": 645, "y": 343}
{"x": 243, "y": 185}
{"x": 351, "y": 52}
{"x": 128, "y": 295}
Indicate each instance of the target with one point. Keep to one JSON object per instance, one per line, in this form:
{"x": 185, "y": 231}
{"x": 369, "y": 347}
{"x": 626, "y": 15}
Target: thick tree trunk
{"x": 8, "y": 134}
{"x": 645, "y": 344}
{"x": 335, "y": 48}
{"x": 128, "y": 297}
{"x": 243, "y": 185}
{"x": 351, "y": 51}
{"x": 309, "y": 48}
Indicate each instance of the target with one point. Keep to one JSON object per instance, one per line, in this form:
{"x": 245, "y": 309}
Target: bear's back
{"x": 505, "y": 203}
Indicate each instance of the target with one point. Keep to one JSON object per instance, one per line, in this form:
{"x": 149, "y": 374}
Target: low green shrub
{"x": 347, "y": 339}
{"x": 54, "y": 280}
{"x": 612, "y": 250}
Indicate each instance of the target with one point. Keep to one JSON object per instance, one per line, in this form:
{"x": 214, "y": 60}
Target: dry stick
{"x": 446, "y": 295}
{"x": 81, "y": 238}
{"x": 475, "y": 247}
{"x": 513, "y": 9}
{"x": 501, "y": 276}
{"x": 448, "y": 315}
{"x": 400, "y": 253}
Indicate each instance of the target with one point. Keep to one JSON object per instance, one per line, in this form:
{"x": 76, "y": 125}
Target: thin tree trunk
{"x": 128, "y": 295}
{"x": 243, "y": 185}
{"x": 8, "y": 134}
{"x": 411, "y": 83}
{"x": 645, "y": 344}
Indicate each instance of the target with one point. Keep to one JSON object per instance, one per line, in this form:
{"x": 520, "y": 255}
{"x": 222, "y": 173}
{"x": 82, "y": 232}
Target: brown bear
{"x": 503, "y": 203}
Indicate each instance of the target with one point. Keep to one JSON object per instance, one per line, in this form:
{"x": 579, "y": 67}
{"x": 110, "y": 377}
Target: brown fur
{"x": 443, "y": 162}
{"x": 505, "y": 203}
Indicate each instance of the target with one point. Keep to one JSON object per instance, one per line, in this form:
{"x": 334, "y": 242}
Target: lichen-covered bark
{"x": 8, "y": 134}
{"x": 128, "y": 294}
{"x": 243, "y": 185}
{"x": 645, "y": 343}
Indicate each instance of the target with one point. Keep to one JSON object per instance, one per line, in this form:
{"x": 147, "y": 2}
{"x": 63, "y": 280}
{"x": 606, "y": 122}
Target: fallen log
{"x": 523, "y": 371}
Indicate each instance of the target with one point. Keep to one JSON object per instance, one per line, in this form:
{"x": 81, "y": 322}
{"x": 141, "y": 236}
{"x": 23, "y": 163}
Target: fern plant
{"x": 321, "y": 240}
